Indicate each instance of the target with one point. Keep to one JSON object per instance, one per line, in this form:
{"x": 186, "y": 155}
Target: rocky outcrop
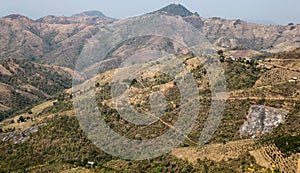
{"x": 18, "y": 136}
{"x": 261, "y": 120}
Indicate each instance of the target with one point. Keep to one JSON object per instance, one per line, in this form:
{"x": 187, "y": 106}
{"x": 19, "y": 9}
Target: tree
{"x": 21, "y": 119}
{"x": 222, "y": 58}
{"x": 220, "y": 52}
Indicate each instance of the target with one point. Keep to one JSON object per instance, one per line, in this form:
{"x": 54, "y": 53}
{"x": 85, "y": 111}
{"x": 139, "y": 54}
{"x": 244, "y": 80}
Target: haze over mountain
{"x": 263, "y": 22}
{"x": 279, "y": 11}
{"x": 59, "y": 40}
{"x": 93, "y": 13}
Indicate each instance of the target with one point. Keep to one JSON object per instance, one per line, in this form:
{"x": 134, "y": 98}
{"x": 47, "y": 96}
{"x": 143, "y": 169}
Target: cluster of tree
{"x": 46, "y": 79}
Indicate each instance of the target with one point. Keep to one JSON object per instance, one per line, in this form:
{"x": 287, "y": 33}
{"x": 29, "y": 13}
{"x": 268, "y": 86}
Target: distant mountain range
{"x": 58, "y": 40}
{"x": 263, "y": 22}
{"x": 94, "y": 13}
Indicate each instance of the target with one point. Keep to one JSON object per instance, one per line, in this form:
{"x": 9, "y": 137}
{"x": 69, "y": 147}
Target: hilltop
{"x": 175, "y": 10}
{"x": 94, "y": 13}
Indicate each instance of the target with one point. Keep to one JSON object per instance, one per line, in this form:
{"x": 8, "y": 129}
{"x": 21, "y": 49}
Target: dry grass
{"x": 31, "y": 121}
{"x": 275, "y": 76}
{"x": 78, "y": 170}
{"x": 215, "y": 152}
{"x": 39, "y": 108}
{"x": 4, "y": 71}
{"x": 270, "y": 155}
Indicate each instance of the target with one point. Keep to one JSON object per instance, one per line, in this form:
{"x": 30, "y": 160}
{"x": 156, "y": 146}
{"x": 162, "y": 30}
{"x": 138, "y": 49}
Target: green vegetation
{"x": 288, "y": 144}
{"x": 240, "y": 76}
{"x": 63, "y": 145}
{"x": 60, "y": 141}
{"x": 30, "y": 83}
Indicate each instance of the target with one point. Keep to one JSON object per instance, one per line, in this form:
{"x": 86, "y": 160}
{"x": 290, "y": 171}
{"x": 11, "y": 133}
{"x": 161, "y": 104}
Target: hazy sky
{"x": 279, "y": 11}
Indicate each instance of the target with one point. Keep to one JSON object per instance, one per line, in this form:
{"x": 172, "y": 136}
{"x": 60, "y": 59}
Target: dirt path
{"x": 266, "y": 98}
{"x": 272, "y": 59}
{"x": 282, "y": 67}
{"x": 166, "y": 124}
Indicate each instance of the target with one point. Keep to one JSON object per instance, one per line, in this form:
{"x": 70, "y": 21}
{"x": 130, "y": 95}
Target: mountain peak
{"x": 175, "y": 9}
{"x": 93, "y": 13}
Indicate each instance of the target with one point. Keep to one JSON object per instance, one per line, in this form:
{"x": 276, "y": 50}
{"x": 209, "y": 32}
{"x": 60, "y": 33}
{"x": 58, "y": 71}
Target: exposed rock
{"x": 18, "y": 136}
{"x": 261, "y": 120}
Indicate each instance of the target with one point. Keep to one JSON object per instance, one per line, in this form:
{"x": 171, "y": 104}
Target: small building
{"x": 293, "y": 80}
{"x": 91, "y": 163}
{"x": 230, "y": 58}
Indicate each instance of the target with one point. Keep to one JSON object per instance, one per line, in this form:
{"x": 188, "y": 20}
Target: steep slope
{"x": 55, "y": 40}
{"x": 17, "y": 40}
{"x": 59, "y": 40}
{"x": 175, "y": 10}
{"x": 23, "y": 83}
{"x": 240, "y": 34}
{"x": 237, "y": 33}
